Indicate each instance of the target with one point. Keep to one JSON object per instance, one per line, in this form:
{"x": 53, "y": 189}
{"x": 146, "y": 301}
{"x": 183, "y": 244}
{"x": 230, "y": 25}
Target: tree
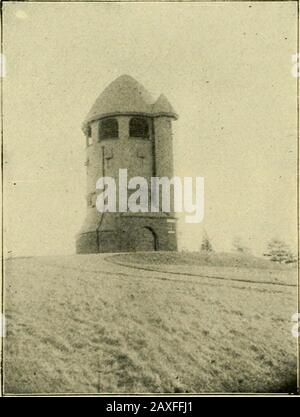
{"x": 279, "y": 251}
{"x": 206, "y": 243}
{"x": 239, "y": 246}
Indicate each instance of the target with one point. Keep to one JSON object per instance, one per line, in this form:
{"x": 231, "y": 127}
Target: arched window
{"x": 139, "y": 128}
{"x": 108, "y": 129}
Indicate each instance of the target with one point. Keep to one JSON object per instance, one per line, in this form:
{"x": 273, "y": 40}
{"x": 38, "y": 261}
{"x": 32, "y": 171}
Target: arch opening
{"x": 108, "y": 129}
{"x": 147, "y": 240}
{"x": 139, "y": 128}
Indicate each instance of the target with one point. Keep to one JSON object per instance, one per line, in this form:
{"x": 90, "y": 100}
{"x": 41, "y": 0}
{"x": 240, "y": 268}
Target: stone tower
{"x": 126, "y": 128}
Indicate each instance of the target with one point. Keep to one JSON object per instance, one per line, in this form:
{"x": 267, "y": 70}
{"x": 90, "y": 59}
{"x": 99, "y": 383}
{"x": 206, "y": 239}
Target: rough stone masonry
{"x": 127, "y": 129}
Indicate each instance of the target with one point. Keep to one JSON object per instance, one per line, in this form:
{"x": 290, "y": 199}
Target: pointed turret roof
{"x": 162, "y": 106}
{"x": 127, "y": 96}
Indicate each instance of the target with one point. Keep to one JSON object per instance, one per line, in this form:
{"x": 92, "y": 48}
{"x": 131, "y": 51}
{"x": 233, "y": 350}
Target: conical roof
{"x": 127, "y": 96}
{"x": 163, "y": 107}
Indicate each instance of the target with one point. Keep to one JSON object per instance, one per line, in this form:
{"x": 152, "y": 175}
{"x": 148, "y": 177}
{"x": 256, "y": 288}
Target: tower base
{"x": 136, "y": 233}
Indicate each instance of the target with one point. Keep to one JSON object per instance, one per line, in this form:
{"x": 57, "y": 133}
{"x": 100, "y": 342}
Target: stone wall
{"x": 141, "y": 157}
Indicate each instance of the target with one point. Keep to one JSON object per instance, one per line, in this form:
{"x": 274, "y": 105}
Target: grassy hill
{"x": 215, "y": 259}
{"x": 149, "y": 322}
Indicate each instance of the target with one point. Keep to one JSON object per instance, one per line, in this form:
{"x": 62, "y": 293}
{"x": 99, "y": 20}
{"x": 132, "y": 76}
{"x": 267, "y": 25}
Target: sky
{"x": 225, "y": 67}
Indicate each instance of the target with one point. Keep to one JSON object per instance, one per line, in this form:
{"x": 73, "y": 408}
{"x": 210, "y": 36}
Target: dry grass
{"x": 81, "y": 324}
{"x": 215, "y": 259}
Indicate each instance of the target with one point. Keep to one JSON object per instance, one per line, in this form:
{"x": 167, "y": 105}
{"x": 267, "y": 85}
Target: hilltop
{"x": 149, "y": 322}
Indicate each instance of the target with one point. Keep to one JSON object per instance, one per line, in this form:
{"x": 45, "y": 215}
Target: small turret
{"x": 162, "y": 107}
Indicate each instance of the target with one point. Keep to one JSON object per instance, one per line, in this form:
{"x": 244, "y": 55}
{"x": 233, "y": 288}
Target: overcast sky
{"x": 226, "y": 69}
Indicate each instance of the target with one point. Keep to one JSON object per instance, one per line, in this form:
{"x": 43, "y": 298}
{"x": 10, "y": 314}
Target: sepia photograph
{"x": 150, "y": 200}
